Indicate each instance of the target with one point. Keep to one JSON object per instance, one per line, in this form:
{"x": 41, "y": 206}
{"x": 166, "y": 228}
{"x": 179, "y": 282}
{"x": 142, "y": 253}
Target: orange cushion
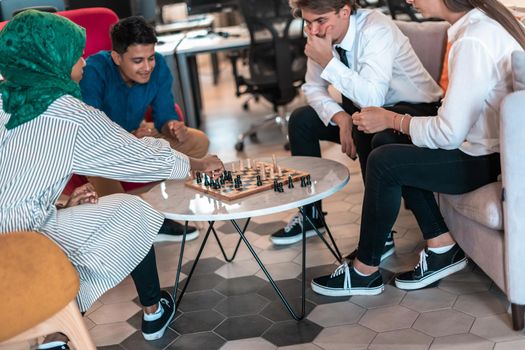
{"x": 36, "y": 281}
{"x": 443, "y": 78}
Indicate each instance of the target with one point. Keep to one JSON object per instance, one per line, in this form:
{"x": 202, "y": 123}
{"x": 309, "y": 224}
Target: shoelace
{"x": 343, "y": 268}
{"x": 422, "y": 265}
{"x": 297, "y": 219}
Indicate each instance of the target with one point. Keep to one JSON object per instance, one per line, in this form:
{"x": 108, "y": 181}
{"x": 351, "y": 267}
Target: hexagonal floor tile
{"x": 238, "y": 305}
{"x": 197, "y": 321}
{"x": 336, "y": 314}
{"x": 203, "y": 282}
{"x": 402, "y": 339}
{"x": 203, "y": 300}
{"x": 241, "y": 327}
{"x": 345, "y": 337}
{"x": 277, "y": 312}
{"x": 388, "y": 318}
{"x": 112, "y": 313}
{"x": 240, "y": 285}
{"x": 428, "y": 300}
{"x": 111, "y": 334}
{"x": 227, "y": 227}
{"x": 281, "y": 271}
{"x": 443, "y": 322}
{"x": 291, "y": 288}
{"x": 204, "y": 266}
{"x": 482, "y": 304}
{"x": 462, "y": 342}
{"x": 206, "y": 340}
{"x": 237, "y": 269}
{"x": 292, "y": 332}
{"x": 496, "y": 328}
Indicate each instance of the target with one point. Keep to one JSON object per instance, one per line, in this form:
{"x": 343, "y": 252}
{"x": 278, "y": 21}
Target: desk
{"x": 190, "y": 23}
{"x": 187, "y": 65}
{"x": 166, "y": 46}
{"x": 179, "y": 202}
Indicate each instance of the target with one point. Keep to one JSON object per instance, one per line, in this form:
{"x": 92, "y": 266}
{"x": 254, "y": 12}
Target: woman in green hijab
{"x": 46, "y": 135}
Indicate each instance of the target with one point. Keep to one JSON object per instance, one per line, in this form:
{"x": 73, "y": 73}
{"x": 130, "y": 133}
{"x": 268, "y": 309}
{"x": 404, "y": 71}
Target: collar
{"x": 454, "y": 30}
{"x": 349, "y": 38}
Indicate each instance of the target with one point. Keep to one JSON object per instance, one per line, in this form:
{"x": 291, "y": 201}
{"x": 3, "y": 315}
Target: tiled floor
{"x": 231, "y": 305}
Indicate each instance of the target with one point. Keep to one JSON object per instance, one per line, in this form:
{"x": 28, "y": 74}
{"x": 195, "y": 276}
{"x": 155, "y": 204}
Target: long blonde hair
{"x": 495, "y": 10}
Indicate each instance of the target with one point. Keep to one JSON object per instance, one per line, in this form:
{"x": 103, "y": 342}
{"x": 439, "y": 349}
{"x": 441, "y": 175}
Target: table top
{"x": 179, "y": 202}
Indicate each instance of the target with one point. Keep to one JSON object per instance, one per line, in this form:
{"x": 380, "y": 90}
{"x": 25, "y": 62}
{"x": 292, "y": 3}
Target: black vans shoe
{"x": 388, "y": 250}
{"x": 152, "y": 330}
{"x": 345, "y": 282}
{"x": 172, "y": 231}
{"x": 432, "y": 267}
{"x": 293, "y": 232}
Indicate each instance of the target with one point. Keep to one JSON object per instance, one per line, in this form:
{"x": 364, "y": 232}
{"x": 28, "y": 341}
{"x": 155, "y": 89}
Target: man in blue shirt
{"x": 124, "y": 83}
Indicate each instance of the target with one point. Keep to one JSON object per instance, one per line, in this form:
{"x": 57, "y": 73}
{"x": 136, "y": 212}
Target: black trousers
{"x": 146, "y": 279}
{"x": 413, "y": 172}
{"x": 305, "y": 130}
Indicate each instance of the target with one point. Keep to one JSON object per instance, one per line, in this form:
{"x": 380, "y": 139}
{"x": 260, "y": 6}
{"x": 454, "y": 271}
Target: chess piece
{"x": 274, "y": 162}
{"x": 308, "y": 180}
{"x": 206, "y": 180}
{"x": 272, "y": 173}
{"x": 290, "y": 181}
{"x": 241, "y": 165}
{"x": 303, "y": 183}
{"x": 248, "y": 163}
{"x": 259, "y": 182}
{"x": 279, "y": 171}
{"x": 263, "y": 172}
{"x": 233, "y": 167}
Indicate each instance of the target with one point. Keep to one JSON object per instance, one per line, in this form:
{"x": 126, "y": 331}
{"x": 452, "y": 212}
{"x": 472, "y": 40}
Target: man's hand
{"x": 210, "y": 164}
{"x": 81, "y": 195}
{"x": 373, "y": 119}
{"x": 144, "y": 130}
{"x": 176, "y": 129}
{"x": 344, "y": 121}
{"x": 318, "y": 48}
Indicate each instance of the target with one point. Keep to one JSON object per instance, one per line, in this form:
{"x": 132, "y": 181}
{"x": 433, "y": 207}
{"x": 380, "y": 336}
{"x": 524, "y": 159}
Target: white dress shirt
{"x": 383, "y": 69}
{"x": 480, "y": 75}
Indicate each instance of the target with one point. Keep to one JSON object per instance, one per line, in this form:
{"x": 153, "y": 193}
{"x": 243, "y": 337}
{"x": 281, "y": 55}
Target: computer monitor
{"x": 205, "y": 6}
{"x": 8, "y": 7}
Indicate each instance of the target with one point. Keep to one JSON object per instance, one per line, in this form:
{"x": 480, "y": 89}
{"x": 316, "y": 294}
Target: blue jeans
{"x": 395, "y": 170}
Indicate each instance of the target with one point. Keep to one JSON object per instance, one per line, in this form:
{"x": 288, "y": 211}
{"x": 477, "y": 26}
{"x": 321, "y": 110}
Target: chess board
{"x": 228, "y": 192}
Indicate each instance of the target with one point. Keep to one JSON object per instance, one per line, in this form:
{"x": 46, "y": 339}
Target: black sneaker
{"x": 58, "y": 347}
{"x": 292, "y": 233}
{"x": 432, "y": 267}
{"x": 345, "y": 282}
{"x": 152, "y": 330}
{"x": 388, "y": 250}
{"x": 172, "y": 231}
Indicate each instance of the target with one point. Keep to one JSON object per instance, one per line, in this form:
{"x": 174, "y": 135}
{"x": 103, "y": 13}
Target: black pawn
{"x": 198, "y": 178}
{"x": 290, "y": 182}
{"x": 308, "y": 180}
{"x": 259, "y": 182}
{"x": 206, "y": 180}
{"x": 303, "y": 183}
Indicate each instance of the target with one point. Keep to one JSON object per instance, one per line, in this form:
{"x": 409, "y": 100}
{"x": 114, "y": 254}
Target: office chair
{"x": 276, "y": 61}
{"x": 9, "y": 8}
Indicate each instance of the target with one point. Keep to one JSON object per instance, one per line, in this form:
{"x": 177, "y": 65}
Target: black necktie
{"x": 348, "y": 105}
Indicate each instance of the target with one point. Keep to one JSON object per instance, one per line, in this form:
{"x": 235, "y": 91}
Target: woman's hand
{"x": 373, "y": 119}
{"x": 81, "y": 195}
{"x": 210, "y": 164}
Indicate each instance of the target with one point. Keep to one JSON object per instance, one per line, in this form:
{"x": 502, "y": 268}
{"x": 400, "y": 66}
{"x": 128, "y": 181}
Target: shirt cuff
{"x": 333, "y": 71}
{"x": 417, "y": 130}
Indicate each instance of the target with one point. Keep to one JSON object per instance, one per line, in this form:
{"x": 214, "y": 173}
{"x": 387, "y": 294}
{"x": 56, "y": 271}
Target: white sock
{"x": 360, "y": 273}
{"x": 50, "y": 345}
{"x": 441, "y": 250}
{"x": 154, "y": 316}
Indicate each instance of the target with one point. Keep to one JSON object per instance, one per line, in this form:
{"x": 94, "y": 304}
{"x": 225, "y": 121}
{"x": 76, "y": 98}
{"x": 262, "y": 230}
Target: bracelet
{"x": 401, "y": 124}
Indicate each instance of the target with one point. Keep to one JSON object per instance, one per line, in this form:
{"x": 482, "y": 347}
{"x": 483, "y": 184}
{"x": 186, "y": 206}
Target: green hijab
{"x": 37, "y": 52}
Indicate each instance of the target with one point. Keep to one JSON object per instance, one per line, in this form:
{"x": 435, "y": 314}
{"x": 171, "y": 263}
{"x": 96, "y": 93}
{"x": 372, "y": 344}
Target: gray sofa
{"x": 487, "y": 222}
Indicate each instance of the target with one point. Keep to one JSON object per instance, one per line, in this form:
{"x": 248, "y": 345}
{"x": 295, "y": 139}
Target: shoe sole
{"x": 436, "y": 276}
{"x": 176, "y": 238}
{"x": 338, "y": 292}
{"x": 294, "y": 239}
{"x": 159, "y": 333}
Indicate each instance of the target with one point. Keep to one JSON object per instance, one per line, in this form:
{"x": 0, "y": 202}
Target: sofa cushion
{"x": 482, "y": 205}
{"x": 429, "y": 41}
{"x": 518, "y": 70}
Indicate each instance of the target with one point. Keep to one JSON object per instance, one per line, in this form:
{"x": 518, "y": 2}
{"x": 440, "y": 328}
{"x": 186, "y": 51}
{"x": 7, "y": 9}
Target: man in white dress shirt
{"x": 367, "y": 59}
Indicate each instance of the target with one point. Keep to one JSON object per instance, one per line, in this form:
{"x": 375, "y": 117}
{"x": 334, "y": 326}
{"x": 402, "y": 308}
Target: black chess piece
{"x": 206, "y": 180}
{"x": 198, "y": 177}
{"x": 290, "y": 181}
{"x": 280, "y": 187}
{"x": 308, "y": 180}
{"x": 259, "y": 182}
{"x": 303, "y": 183}
{"x": 275, "y": 185}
